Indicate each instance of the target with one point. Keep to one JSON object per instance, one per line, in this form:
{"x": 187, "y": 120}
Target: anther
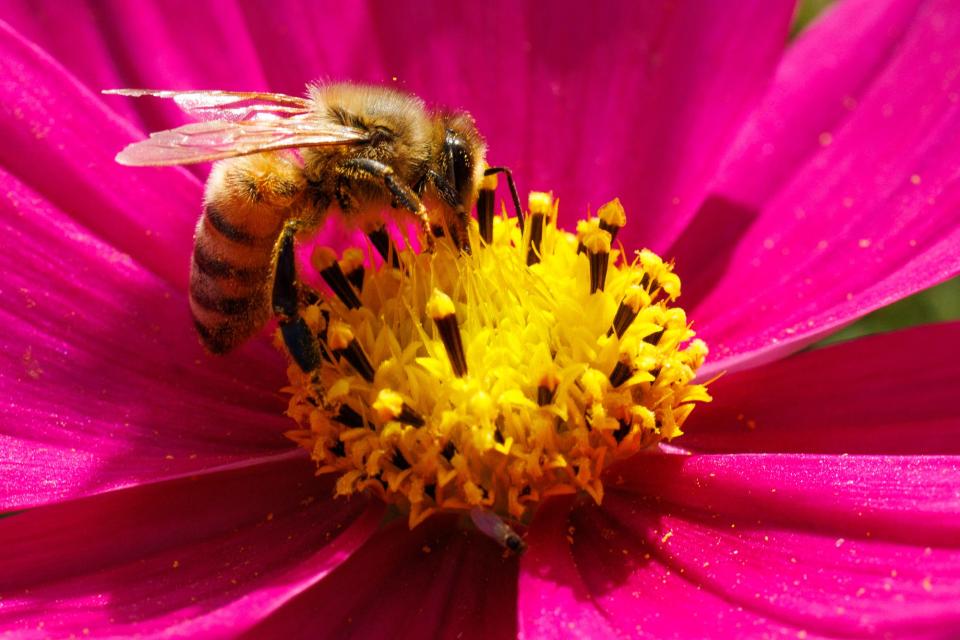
{"x": 627, "y": 311}
{"x": 324, "y": 260}
{"x": 449, "y": 450}
{"x": 440, "y": 308}
{"x": 344, "y": 345}
{"x": 654, "y": 338}
{"x": 621, "y": 373}
{"x": 547, "y": 387}
{"x": 585, "y": 228}
{"x": 597, "y": 244}
{"x": 389, "y": 405}
{"x": 399, "y": 461}
{"x": 539, "y": 203}
{"x": 485, "y": 202}
{"x": 380, "y": 238}
{"x": 612, "y": 217}
{"x": 348, "y": 417}
{"x": 352, "y": 266}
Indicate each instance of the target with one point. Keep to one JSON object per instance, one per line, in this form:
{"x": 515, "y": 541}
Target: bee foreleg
{"x": 450, "y": 197}
{"x": 403, "y": 196}
{"x": 513, "y": 189}
{"x": 285, "y": 297}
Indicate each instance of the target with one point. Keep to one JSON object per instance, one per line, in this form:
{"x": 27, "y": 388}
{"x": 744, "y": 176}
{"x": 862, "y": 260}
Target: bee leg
{"x": 489, "y": 171}
{"x": 300, "y": 341}
{"x": 403, "y": 196}
{"x": 450, "y": 197}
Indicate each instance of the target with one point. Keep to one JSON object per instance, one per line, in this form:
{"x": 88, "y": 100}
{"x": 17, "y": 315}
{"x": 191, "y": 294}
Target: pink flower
{"x": 798, "y": 186}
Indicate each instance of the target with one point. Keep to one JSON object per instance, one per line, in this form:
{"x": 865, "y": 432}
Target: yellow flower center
{"x": 495, "y": 379}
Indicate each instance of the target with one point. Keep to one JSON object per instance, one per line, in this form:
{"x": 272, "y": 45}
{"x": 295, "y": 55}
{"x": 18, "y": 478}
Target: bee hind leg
{"x": 300, "y": 341}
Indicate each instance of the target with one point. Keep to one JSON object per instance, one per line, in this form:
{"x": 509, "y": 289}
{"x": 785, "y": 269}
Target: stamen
{"x": 547, "y": 387}
{"x": 352, "y": 266}
{"x": 573, "y": 367}
{"x": 399, "y": 461}
{"x": 633, "y": 299}
{"x": 597, "y": 244}
{"x": 348, "y": 417}
{"x": 344, "y": 345}
{"x": 654, "y": 338}
{"x": 585, "y": 228}
{"x": 390, "y": 405}
{"x": 485, "y": 202}
{"x": 441, "y": 310}
{"x": 325, "y": 261}
{"x": 540, "y": 203}
{"x": 381, "y": 239}
{"x": 612, "y": 217}
{"x": 621, "y": 372}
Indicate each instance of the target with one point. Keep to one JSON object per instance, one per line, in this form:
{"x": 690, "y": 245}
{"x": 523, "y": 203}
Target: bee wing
{"x": 232, "y": 124}
{"x": 227, "y": 105}
{"x": 219, "y": 139}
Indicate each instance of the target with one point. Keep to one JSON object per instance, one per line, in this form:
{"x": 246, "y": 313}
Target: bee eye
{"x": 460, "y": 170}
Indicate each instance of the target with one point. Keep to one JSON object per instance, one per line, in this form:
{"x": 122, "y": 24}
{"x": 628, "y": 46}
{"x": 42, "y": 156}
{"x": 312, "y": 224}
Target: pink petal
{"x": 211, "y": 555}
{"x": 616, "y": 72}
{"x": 553, "y": 600}
{"x": 176, "y": 45}
{"x": 749, "y": 545}
{"x": 867, "y": 218}
{"x": 892, "y": 393}
{"x": 60, "y": 140}
{"x": 435, "y": 581}
{"x": 104, "y": 382}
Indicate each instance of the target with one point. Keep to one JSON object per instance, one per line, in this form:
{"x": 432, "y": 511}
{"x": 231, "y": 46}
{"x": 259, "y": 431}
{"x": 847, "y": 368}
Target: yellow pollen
{"x": 339, "y": 335}
{"x": 613, "y": 214}
{"x": 483, "y": 383}
{"x": 440, "y": 305}
{"x": 489, "y": 182}
{"x": 322, "y": 258}
{"x": 540, "y": 202}
{"x": 353, "y": 258}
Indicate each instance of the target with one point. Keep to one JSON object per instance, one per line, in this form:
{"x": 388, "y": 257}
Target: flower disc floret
{"x": 497, "y": 378}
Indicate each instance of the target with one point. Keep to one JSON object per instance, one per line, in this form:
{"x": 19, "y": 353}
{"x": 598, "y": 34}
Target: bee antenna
{"x": 489, "y": 171}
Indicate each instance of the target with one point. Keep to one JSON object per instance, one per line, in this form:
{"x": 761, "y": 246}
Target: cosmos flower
{"x": 151, "y": 488}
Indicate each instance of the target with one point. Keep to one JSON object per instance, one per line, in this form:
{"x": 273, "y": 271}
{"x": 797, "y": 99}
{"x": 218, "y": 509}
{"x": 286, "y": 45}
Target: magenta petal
{"x": 553, "y": 600}
{"x": 908, "y": 499}
{"x": 743, "y": 546}
{"x": 867, "y": 219}
{"x": 176, "y": 45}
{"x": 104, "y": 382}
{"x": 60, "y": 140}
{"x": 818, "y": 84}
{"x": 435, "y": 581}
{"x": 892, "y": 393}
{"x": 212, "y": 555}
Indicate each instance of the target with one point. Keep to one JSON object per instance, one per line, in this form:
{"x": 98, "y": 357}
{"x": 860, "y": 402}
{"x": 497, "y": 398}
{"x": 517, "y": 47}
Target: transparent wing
{"x": 226, "y": 105}
{"x": 233, "y": 124}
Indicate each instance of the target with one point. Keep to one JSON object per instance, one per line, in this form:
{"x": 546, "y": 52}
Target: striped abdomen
{"x": 230, "y": 271}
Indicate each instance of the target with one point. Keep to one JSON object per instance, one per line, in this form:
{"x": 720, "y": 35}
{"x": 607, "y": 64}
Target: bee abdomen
{"x": 228, "y": 280}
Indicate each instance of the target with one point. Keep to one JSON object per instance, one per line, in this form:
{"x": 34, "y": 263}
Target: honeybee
{"x": 283, "y": 164}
